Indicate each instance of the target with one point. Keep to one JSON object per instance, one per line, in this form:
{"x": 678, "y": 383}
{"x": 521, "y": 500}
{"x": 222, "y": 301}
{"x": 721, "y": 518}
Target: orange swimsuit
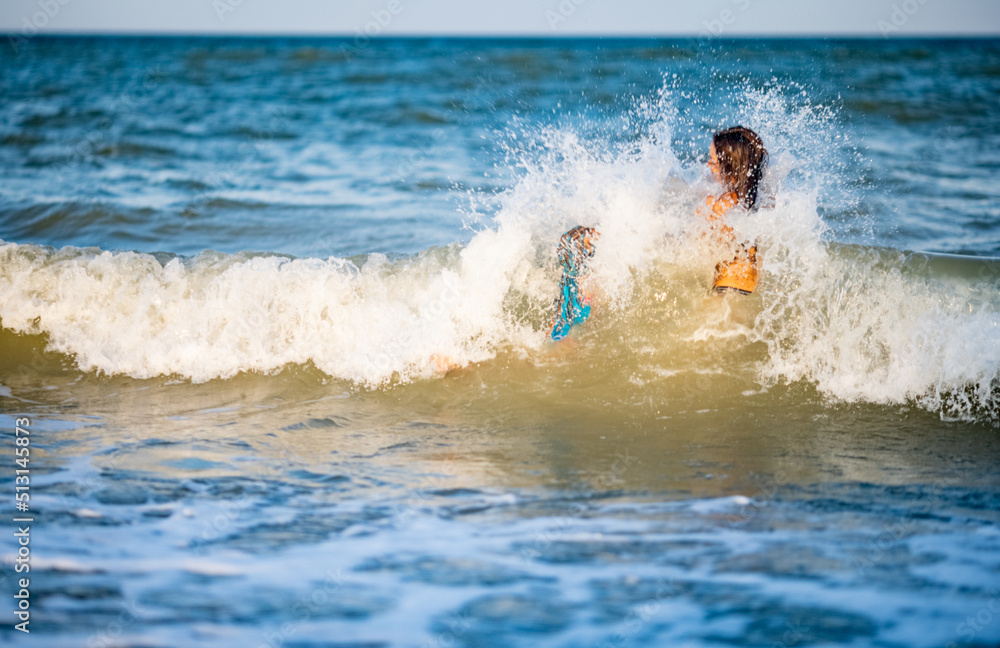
{"x": 740, "y": 274}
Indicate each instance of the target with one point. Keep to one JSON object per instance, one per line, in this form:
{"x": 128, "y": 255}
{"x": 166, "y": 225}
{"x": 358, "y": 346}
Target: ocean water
{"x": 230, "y": 270}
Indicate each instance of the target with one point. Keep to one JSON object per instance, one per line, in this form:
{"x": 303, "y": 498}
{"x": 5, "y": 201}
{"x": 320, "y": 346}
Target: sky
{"x": 360, "y": 18}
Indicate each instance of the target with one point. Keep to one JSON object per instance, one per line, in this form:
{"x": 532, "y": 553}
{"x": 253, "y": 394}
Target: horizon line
{"x": 512, "y": 36}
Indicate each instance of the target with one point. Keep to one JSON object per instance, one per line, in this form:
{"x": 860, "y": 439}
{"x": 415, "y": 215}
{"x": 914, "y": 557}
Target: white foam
{"x": 720, "y": 504}
{"x": 863, "y": 328}
{"x": 853, "y": 323}
{"x": 215, "y": 316}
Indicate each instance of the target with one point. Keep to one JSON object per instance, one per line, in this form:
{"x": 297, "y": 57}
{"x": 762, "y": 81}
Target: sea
{"x": 275, "y": 366}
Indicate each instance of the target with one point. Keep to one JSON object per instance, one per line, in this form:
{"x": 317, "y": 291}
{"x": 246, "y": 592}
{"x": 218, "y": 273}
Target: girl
{"x": 576, "y": 247}
{"x": 736, "y": 158}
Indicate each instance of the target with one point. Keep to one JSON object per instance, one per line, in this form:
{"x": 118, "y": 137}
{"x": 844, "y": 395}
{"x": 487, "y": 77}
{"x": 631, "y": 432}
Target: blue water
{"x": 310, "y": 148}
{"x": 232, "y": 269}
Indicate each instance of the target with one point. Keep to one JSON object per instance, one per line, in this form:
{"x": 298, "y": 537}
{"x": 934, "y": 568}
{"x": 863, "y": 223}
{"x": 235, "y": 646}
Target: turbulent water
{"x": 231, "y": 271}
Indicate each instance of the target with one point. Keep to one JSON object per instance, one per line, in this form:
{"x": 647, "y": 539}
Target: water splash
{"x": 860, "y": 324}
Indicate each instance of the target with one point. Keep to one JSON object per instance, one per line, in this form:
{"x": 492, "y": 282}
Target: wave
{"x": 860, "y": 324}
{"x": 67, "y": 220}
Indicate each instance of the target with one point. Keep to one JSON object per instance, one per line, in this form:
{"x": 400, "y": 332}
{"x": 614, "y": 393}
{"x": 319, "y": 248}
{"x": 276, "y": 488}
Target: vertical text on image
{"x": 22, "y": 522}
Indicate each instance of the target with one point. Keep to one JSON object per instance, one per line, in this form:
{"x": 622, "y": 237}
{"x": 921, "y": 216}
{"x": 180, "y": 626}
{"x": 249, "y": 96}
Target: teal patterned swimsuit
{"x": 570, "y": 308}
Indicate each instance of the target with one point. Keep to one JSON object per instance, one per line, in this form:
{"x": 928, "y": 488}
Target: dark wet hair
{"x": 742, "y": 158}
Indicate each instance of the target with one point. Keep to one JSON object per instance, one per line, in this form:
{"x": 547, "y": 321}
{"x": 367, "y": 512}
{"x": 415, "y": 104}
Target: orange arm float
{"x": 741, "y": 273}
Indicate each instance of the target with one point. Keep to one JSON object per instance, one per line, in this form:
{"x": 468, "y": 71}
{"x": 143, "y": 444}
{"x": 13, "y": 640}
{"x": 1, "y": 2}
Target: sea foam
{"x": 859, "y": 323}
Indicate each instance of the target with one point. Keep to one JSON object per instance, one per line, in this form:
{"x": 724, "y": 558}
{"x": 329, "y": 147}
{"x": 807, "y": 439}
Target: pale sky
{"x": 505, "y": 17}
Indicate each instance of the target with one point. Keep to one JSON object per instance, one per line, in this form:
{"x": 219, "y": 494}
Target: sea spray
{"x": 857, "y": 323}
